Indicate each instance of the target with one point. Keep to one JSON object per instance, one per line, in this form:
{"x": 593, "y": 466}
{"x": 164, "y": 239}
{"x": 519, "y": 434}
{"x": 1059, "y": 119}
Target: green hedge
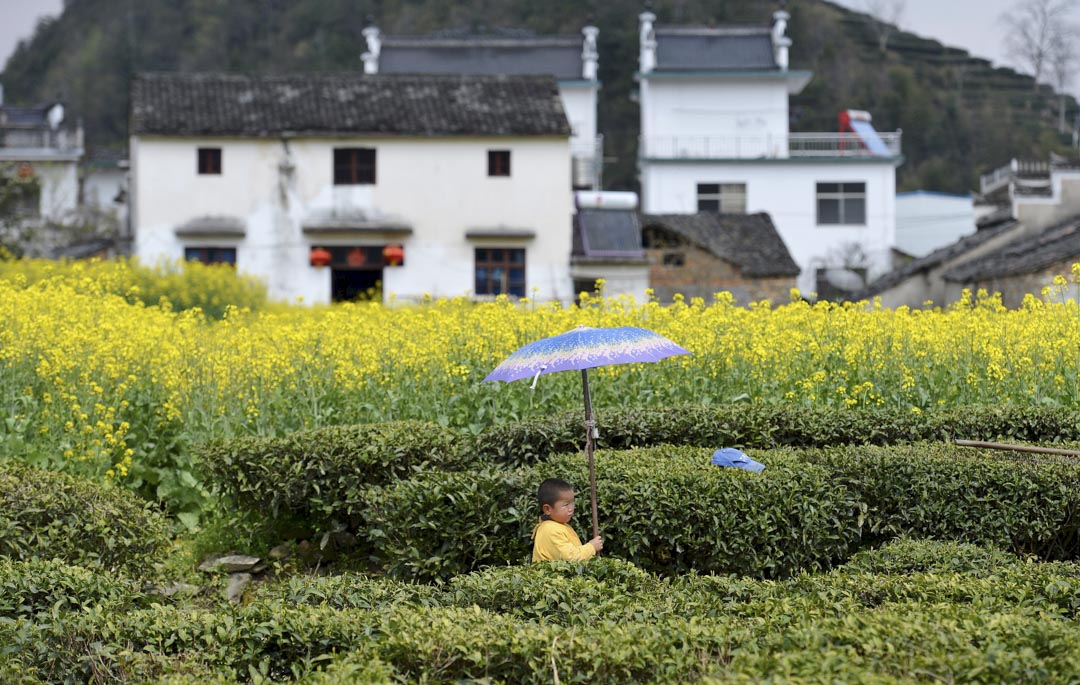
{"x": 766, "y": 426}
{"x": 938, "y": 491}
{"x": 318, "y": 476}
{"x": 666, "y": 509}
{"x": 669, "y": 510}
{"x": 997, "y": 618}
{"x": 49, "y": 586}
{"x": 45, "y": 514}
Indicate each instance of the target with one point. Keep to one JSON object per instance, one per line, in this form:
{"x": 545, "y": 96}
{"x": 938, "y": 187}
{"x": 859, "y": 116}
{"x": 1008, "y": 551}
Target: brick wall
{"x": 702, "y": 275}
{"x": 1013, "y": 288}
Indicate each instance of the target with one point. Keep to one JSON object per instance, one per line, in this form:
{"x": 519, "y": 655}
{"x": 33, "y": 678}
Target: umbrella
{"x": 582, "y": 349}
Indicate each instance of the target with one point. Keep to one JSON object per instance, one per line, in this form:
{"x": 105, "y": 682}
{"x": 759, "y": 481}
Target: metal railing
{"x": 814, "y": 145}
{"x": 42, "y": 138}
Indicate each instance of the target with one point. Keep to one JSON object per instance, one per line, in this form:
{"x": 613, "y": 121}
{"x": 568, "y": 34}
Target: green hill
{"x": 959, "y": 115}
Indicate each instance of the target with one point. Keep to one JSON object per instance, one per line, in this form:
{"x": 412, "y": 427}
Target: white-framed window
{"x": 727, "y": 198}
{"x": 841, "y": 203}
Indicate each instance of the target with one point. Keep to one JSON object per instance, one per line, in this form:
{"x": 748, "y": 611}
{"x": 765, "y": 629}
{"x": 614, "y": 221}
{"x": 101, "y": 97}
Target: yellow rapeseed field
{"x": 96, "y": 377}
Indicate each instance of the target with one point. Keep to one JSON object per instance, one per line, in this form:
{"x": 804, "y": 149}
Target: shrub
{"x": 318, "y": 476}
{"x": 912, "y": 555}
{"x": 41, "y": 586}
{"x": 667, "y": 509}
{"x": 949, "y": 493}
{"x": 45, "y": 514}
{"x": 766, "y": 426}
{"x": 437, "y": 525}
{"x": 422, "y": 644}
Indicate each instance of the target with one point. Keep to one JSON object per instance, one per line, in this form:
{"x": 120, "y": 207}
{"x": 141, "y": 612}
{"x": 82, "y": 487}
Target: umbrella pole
{"x": 590, "y": 434}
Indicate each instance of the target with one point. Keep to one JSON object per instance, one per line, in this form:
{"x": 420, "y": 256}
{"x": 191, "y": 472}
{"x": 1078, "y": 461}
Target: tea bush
{"x": 51, "y": 587}
{"x": 1026, "y": 506}
{"x": 766, "y": 426}
{"x": 50, "y": 515}
{"x": 605, "y": 621}
{"x": 669, "y": 510}
{"x": 319, "y": 475}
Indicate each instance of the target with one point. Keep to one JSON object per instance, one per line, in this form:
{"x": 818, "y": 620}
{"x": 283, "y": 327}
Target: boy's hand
{"x": 597, "y": 543}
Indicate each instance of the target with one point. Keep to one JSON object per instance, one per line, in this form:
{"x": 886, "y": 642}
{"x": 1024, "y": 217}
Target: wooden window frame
{"x": 208, "y": 161}
{"x": 209, "y": 254}
{"x": 488, "y": 259}
{"x": 354, "y": 166}
{"x": 498, "y": 163}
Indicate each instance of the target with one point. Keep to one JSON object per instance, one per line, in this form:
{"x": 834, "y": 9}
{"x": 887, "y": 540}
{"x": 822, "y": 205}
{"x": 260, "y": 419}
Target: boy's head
{"x": 556, "y": 498}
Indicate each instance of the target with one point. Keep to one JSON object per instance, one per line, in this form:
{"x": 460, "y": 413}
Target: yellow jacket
{"x": 554, "y": 540}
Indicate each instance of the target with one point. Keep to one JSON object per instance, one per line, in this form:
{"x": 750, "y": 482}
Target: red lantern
{"x": 319, "y": 256}
{"x": 356, "y": 257}
{"x": 393, "y": 254}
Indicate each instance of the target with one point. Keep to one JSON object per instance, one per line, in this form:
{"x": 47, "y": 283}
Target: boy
{"x": 552, "y": 537}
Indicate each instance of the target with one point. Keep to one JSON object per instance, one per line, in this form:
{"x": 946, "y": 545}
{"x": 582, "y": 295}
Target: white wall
{"x": 926, "y": 221}
{"x": 437, "y": 186}
{"x": 717, "y": 107}
{"x": 787, "y": 190}
{"x": 579, "y": 101}
{"x": 59, "y": 189}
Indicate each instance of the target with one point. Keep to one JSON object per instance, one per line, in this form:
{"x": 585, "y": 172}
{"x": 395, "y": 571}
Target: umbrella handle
{"x": 591, "y": 433}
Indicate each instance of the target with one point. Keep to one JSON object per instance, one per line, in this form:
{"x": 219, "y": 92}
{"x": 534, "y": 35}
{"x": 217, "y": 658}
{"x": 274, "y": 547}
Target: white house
{"x": 38, "y": 149}
{"x": 468, "y": 175}
{"x": 927, "y": 220}
{"x": 573, "y": 61}
{"x": 715, "y": 138}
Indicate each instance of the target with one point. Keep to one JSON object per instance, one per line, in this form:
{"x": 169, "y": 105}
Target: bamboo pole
{"x": 1018, "y": 448}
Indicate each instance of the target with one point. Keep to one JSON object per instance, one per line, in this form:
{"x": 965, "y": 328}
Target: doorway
{"x": 347, "y": 285}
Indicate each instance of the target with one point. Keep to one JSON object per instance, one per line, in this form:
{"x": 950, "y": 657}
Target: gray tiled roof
{"x": 750, "y": 241}
{"x": 732, "y": 48}
{"x": 555, "y": 56}
{"x": 1027, "y": 254}
{"x": 934, "y": 259}
{"x": 346, "y": 103}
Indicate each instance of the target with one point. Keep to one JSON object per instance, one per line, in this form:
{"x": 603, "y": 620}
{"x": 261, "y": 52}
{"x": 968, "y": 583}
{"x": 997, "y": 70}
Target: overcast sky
{"x": 970, "y": 24}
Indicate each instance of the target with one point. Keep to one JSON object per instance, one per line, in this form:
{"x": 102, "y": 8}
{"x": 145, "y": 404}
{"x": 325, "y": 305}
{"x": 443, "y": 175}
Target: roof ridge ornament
{"x": 374, "y": 47}
{"x": 647, "y": 38}
{"x": 781, "y": 42}
{"x": 590, "y": 55}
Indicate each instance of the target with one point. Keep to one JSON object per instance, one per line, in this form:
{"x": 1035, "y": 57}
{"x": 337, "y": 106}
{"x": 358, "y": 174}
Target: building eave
{"x": 894, "y": 161}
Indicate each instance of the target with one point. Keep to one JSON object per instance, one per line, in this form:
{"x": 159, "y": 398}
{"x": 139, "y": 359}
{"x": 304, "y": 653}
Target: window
{"x": 210, "y": 160}
{"x": 354, "y": 166}
{"x": 500, "y": 270}
{"x": 498, "y": 162}
{"x": 728, "y": 198}
{"x": 211, "y": 255}
{"x": 841, "y": 203}
{"x": 674, "y": 259}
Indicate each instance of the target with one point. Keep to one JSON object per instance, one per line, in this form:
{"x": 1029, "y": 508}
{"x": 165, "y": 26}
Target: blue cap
{"x": 729, "y": 456}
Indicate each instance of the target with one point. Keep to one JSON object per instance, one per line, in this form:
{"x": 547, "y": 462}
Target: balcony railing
{"x": 587, "y": 163}
{"x": 814, "y": 145}
{"x": 61, "y": 140}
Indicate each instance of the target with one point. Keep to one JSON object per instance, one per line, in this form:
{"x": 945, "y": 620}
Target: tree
{"x": 1062, "y": 63}
{"x": 884, "y": 19}
{"x": 1033, "y": 29}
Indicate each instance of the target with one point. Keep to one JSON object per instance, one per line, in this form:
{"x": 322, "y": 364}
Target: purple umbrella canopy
{"x": 585, "y": 348}
{"x": 582, "y": 349}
